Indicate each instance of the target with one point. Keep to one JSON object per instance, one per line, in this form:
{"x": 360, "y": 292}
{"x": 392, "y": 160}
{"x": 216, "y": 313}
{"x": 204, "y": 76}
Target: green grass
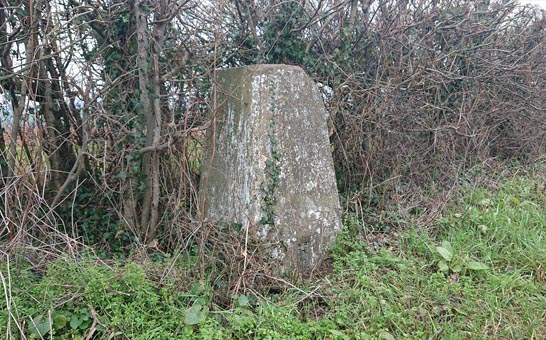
{"x": 406, "y": 294}
{"x": 480, "y": 275}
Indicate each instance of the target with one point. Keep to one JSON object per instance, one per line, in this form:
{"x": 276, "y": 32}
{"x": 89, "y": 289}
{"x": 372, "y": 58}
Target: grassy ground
{"x": 478, "y": 273}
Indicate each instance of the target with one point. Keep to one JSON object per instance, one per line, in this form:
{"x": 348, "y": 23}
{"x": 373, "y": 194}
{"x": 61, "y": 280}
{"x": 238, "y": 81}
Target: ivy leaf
{"x": 75, "y": 322}
{"x": 122, "y": 175}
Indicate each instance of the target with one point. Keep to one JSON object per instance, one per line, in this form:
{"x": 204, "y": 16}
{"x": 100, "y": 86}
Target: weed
{"x": 480, "y": 277}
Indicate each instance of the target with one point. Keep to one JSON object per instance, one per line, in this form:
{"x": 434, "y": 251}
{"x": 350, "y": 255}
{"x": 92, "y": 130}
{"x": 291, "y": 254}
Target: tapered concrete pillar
{"x": 268, "y": 165}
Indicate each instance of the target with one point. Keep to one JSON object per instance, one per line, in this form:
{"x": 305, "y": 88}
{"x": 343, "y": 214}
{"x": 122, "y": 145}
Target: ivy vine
{"x": 272, "y": 174}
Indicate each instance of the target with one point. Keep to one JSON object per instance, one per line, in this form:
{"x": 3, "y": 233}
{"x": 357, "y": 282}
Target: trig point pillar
{"x": 268, "y": 166}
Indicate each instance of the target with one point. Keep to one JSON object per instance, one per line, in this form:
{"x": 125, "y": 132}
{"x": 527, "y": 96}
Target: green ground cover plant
{"x": 479, "y": 275}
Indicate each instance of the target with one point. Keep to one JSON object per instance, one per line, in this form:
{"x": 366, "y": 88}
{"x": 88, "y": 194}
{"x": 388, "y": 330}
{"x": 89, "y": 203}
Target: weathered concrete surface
{"x": 268, "y": 164}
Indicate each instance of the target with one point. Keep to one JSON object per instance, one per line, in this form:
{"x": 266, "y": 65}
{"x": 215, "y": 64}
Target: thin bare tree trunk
{"x": 147, "y": 112}
{"x": 352, "y": 16}
{"x": 34, "y": 19}
{"x": 156, "y": 188}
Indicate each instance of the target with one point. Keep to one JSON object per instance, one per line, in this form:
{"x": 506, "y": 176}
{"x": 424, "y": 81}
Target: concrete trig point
{"x": 268, "y": 164}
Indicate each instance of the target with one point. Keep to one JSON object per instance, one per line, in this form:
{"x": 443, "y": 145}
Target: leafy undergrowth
{"x": 481, "y": 275}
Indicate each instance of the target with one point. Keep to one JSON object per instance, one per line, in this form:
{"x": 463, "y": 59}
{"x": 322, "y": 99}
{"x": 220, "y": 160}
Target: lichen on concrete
{"x": 268, "y": 164}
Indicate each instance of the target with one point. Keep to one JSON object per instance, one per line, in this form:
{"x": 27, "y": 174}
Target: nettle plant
{"x": 455, "y": 262}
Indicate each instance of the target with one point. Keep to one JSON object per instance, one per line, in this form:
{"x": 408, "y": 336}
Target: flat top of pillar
{"x": 265, "y": 67}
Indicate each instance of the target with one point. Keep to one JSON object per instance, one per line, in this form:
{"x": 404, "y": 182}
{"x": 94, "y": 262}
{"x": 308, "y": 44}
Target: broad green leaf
{"x": 446, "y": 254}
{"x": 474, "y": 265}
{"x": 85, "y": 314}
{"x": 59, "y": 321}
{"x": 456, "y": 268}
{"x": 85, "y": 324}
{"x": 195, "y": 314}
{"x": 447, "y": 245}
{"x": 442, "y": 266}
{"x": 242, "y": 300}
{"x": 75, "y": 322}
{"x": 40, "y": 326}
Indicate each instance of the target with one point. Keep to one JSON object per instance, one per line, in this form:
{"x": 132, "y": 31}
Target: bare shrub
{"x": 444, "y": 85}
{"x": 417, "y": 91}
